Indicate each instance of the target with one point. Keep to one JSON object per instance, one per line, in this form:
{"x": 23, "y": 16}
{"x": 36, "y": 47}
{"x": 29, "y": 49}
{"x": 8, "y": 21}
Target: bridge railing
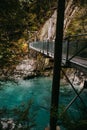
{"x": 75, "y": 46}
{"x": 45, "y": 47}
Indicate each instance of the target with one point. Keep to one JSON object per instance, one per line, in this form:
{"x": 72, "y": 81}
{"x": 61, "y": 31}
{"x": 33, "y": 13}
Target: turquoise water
{"x": 13, "y": 94}
{"x": 39, "y": 90}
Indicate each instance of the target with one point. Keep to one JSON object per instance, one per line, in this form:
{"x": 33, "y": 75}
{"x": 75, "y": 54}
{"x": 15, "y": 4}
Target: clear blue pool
{"x": 39, "y": 90}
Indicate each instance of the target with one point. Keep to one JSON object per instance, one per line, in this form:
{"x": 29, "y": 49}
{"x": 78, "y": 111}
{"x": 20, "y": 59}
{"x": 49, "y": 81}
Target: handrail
{"x": 70, "y": 36}
{"x": 73, "y": 47}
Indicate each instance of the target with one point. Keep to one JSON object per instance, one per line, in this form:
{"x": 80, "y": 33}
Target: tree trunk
{"x": 57, "y": 65}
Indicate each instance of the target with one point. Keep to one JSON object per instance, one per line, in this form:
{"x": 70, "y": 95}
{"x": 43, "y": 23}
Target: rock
{"x": 25, "y": 69}
{"x": 7, "y": 123}
{"x": 29, "y": 77}
{"x": 4, "y": 125}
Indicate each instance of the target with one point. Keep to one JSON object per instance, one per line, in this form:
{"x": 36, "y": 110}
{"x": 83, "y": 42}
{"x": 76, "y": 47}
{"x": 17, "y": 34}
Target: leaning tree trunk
{"x": 57, "y": 64}
{"x": 70, "y": 12}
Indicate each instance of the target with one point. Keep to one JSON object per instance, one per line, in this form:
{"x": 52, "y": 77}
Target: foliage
{"x": 22, "y": 116}
{"x": 72, "y": 123}
{"x": 11, "y": 20}
{"x": 17, "y": 17}
{"x": 39, "y": 12}
{"x": 80, "y": 2}
{"x": 80, "y": 125}
{"x": 12, "y": 26}
{"x": 25, "y": 115}
{"x": 79, "y": 22}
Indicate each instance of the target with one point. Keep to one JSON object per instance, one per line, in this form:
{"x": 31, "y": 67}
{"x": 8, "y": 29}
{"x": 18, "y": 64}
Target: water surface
{"x": 39, "y": 90}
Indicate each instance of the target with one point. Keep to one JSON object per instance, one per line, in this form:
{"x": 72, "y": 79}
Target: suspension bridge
{"x": 74, "y": 54}
{"x": 74, "y": 51}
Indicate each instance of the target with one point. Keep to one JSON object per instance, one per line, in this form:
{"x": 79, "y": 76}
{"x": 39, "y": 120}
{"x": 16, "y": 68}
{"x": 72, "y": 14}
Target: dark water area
{"x": 39, "y": 91}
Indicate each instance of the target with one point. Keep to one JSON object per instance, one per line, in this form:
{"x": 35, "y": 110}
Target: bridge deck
{"x": 78, "y": 63}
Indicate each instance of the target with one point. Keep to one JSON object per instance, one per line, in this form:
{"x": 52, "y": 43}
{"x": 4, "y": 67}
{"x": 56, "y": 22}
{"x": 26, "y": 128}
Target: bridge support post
{"x": 43, "y": 46}
{"x": 67, "y": 51}
{"x": 48, "y": 48}
{"x": 57, "y": 65}
{"x": 85, "y": 84}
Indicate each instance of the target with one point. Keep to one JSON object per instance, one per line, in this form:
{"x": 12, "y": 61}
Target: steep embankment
{"x": 48, "y": 30}
{"x": 75, "y": 22}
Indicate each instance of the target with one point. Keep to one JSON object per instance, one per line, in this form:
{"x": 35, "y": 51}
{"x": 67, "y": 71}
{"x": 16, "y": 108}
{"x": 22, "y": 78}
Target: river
{"x": 39, "y": 91}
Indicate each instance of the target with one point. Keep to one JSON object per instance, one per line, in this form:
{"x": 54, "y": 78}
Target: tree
{"x": 57, "y": 64}
{"x": 12, "y": 18}
{"x": 12, "y": 27}
{"x": 80, "y": 2}
{"x": 17, "y": 17}
{"x": 78, "y": 23}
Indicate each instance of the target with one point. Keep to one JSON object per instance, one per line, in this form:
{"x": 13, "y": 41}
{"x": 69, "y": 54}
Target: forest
{"x": 19, "y": 17}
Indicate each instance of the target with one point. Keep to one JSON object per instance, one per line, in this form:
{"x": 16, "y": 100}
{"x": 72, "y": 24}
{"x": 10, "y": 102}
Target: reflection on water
{"x": 39, "y": 90}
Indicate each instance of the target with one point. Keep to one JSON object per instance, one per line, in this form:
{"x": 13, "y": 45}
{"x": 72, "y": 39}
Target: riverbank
{"x": 28, "y": 68}
{"x": 42, "y": 66}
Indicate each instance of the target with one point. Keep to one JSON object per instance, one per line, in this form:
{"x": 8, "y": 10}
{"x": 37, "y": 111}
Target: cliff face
{"x": 48, "y": 30}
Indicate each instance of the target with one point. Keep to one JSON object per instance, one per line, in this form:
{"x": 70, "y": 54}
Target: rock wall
{"x": 48, "y": 30}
